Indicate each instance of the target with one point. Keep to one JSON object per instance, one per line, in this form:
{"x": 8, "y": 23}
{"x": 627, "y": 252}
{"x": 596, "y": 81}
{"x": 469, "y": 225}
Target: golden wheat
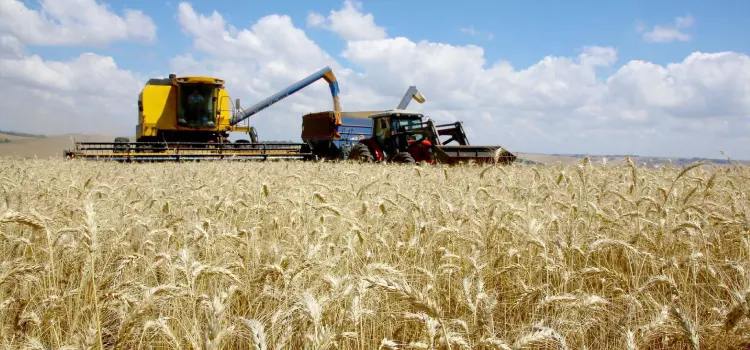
{"x": 286, "y": 255}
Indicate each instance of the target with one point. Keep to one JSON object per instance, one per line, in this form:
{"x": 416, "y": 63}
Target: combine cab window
{"x": 197, "y": 105}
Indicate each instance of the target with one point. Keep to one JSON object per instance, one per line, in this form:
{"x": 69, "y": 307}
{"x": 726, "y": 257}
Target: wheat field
{"x": 343, "y": 256}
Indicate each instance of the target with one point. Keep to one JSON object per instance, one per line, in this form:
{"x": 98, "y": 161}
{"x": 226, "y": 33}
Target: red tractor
{"x": 402, "y": 136}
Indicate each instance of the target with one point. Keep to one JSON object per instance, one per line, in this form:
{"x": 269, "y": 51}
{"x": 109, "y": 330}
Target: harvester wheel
{"x": 123, "y": 148}
{"x": 360, "y": 153}
{"x": 403, "y": 157}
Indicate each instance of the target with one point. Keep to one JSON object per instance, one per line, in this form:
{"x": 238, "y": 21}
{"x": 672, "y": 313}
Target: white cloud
{"x": 10, "y": 46}
{"x": 665, "y": 34}
{"x": 471, "y": 31}
{"x": 88, "y": 94}
{"x": 73, "y": 22}
{"x": 315, "y": 20}
{"x": 684, "y": 22}
{"x": 349, "y": 22}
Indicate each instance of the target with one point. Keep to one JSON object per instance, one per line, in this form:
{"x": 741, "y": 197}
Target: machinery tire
{"x": 404, "y": 158}
{"x": 360, "y": 153}
{"x": 119, "y": 148}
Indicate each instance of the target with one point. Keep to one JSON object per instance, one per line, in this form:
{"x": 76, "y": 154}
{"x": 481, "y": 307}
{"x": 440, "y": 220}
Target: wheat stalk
{"x": 279, "y": 255}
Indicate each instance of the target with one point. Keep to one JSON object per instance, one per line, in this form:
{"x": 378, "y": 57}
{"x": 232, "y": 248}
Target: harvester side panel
{"x": 224, "y": 110}
{"x": 159, "y": 109}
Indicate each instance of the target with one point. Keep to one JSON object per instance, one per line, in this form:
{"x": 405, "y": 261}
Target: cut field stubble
{"x": 316, "y": 256}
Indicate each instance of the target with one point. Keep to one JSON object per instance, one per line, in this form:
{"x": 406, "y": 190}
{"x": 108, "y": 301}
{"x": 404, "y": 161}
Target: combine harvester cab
{"x": 171, "y": 127}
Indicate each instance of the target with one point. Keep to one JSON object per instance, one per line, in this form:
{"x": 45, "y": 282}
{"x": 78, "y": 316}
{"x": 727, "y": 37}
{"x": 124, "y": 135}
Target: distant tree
{"x": 14, "y": 133}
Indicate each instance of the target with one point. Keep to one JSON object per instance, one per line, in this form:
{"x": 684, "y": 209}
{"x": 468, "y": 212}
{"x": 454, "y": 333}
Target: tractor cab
{"x": 399, "y": 131}
{"x": 396, "y": 130}
{"x": 197, "y": 101}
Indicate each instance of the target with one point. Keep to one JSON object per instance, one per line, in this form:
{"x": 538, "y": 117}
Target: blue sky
{"x": 586, "y": 76}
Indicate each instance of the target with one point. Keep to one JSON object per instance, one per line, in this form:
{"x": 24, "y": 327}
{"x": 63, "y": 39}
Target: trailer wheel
{"x": 404, "y": 158}
{"x": 360, "y": 153}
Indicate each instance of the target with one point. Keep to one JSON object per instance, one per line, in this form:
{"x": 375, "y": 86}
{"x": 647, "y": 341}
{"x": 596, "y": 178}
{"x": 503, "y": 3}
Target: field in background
{"x": 304, "y": 255}
{"x": 42, "y": 146}
{"x": 49, "y": 146}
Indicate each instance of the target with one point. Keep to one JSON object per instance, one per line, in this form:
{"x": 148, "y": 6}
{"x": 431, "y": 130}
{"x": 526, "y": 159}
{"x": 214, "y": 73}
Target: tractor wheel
{"x": 360, "y": 153}
{"x": 121, "y": 148}
{"x": 404, "y": 158}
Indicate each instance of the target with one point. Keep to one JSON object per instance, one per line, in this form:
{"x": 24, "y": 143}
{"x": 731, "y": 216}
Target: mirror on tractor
{"x": 237, "y": 104}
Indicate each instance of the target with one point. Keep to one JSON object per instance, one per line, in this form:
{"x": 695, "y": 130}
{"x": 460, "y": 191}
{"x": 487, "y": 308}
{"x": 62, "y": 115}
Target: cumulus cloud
{"x": 348, "y": 22}
{"x": 73, "y": 22}
{"x": 471, "y": 31}
{"x": 89, "y": 93}
{"x": 10, "y": 46}
{"x": 666, "y": 34}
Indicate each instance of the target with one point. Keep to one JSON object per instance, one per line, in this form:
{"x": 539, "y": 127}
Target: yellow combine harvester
{"x": 190, "y": 118}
